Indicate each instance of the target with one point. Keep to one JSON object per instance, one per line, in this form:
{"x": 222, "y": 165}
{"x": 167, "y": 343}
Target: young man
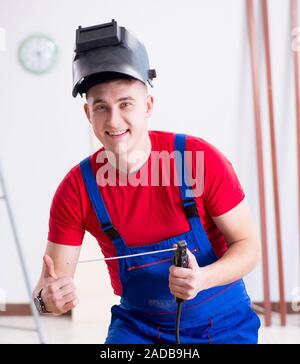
{"x": 143, "y": 192}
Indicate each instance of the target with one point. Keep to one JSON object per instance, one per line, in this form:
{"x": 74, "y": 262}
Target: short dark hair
{"x": 102, "y": 78}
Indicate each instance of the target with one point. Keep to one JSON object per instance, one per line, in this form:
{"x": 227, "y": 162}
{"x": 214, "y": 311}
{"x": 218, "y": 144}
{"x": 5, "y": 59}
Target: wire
{"x": 122, "y": 256}
{"x": 178, "y": 315}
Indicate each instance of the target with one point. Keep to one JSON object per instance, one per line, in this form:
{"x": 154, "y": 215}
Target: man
{"x": 121, "y": 196}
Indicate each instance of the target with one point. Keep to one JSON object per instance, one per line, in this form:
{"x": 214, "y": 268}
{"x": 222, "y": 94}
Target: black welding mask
{"x": 107, "y": 51}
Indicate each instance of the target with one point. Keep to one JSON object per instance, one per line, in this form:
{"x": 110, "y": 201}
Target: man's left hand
{"x": 186, "y": 283}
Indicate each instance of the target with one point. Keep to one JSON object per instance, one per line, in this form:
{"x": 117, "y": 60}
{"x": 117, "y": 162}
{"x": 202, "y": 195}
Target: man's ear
{"x": 149, "y": 105}
{"x": 87, "y": 112}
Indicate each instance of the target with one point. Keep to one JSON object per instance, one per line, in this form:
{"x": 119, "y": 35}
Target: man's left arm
{"x": 243, "y": 254}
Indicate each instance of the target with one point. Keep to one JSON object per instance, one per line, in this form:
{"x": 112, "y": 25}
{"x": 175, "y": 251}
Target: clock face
{"x": 38, "y": 54}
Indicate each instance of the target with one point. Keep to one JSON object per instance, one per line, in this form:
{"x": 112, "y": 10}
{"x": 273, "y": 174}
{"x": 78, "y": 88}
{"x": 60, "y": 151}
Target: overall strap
{"x": 97, "y": 200}
{"x": 182, "y": 172}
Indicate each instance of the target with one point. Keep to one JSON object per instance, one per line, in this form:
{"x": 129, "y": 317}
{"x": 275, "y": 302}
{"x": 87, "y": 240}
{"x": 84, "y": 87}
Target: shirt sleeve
{"x": 222, "y": 189}
{"x": 65, "y": 222}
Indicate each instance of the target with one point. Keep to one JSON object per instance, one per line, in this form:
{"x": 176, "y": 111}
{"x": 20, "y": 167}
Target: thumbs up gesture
{"x": 186, "y": 283}
{"x": 58, "y": 293}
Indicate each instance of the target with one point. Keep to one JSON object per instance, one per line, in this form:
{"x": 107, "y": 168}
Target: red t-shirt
{"x": 145, "y": 214}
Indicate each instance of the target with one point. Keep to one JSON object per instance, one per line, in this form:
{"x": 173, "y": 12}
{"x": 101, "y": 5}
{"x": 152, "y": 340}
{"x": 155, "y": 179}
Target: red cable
{"x": 259, "y": 154}
{"x": 294, "y": 18}
{"x": 282, "y": 304}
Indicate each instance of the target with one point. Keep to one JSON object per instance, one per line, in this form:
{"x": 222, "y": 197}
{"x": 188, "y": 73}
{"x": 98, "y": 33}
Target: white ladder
{"x": 35, "y": 314}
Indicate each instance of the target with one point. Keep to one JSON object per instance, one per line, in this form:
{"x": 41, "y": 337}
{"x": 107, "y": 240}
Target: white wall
{"x": 200, "y": 51}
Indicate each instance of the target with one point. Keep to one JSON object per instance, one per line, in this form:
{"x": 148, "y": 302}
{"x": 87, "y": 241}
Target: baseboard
{"x": 275, "y": 306}
{"x": 23, "y": 309}
{"x": 19, "y": 309}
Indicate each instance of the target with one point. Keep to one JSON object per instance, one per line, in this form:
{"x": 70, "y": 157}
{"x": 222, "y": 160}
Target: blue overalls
{"x": 147, "y": 310}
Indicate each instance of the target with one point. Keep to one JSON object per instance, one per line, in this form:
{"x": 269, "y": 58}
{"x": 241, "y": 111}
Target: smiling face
{"x": 118, "y": 111}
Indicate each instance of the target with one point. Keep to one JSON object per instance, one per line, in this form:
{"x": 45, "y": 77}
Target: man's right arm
{"x": 56, "y": 278}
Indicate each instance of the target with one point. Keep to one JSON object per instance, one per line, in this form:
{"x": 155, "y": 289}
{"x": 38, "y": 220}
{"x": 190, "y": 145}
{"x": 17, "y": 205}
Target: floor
{"x": 63, "y": 330}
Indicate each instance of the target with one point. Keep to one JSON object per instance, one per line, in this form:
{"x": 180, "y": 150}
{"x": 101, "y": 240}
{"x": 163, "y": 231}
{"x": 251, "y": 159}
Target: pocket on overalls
{"x": 243, "y": 325}
{"x": 238, "y": 325}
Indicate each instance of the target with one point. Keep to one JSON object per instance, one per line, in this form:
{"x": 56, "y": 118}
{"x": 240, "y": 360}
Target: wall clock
{"x": 38, "y": 53}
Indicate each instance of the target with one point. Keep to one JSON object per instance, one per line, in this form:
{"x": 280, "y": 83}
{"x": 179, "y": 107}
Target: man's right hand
{"x": 58, "y": 294}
